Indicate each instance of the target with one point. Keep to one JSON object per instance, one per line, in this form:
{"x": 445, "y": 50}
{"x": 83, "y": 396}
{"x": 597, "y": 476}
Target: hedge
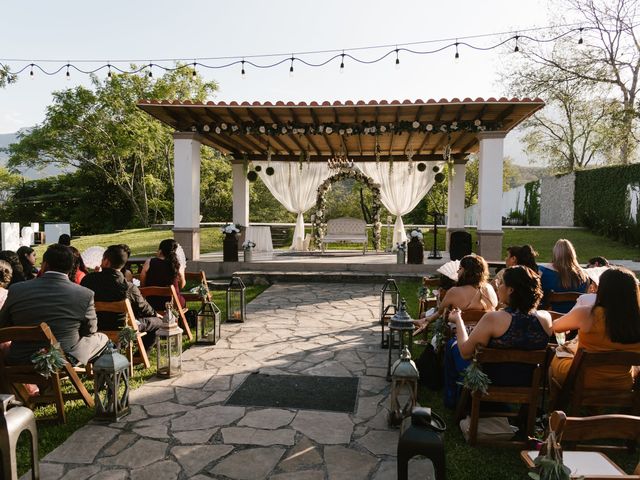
{"x": 601, "y": 201}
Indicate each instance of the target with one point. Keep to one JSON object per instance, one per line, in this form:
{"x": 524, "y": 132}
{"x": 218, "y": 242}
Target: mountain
{"x": 29, "y": 173}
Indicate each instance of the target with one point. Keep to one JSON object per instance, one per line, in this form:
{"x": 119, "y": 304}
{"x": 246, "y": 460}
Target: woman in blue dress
{"x": 563, "y": 275}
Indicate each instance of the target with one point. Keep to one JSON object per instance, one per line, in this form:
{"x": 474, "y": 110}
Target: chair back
{"x": 197, "y": 277}
{"x": 553, "y": 298}
{"x": 169, "y": 292}
{"x": 120, "y": 306}
{"x": 600, "y": 427}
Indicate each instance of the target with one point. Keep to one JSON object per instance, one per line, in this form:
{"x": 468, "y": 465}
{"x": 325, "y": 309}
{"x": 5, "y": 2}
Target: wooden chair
{"x": 527, "y": 395}
{"x": 591, "y": 465}
{"x": 424, "y": 305}
{"x": 169, "y": 292}
{"x": 200, "y": 278}
{"x": 559, "y": 297}
{"x": 13, "y": 377}
{"x": 574, "y": 395}
{"x": 124, "y": 306}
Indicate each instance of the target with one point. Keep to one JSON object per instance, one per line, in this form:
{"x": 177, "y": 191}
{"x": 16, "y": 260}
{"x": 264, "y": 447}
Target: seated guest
{"x": 79, "y": 270}
{"x": 516, "y": 255}
{"x": 64, "y": 239}
{"x": 519, "y": 326}
{"x": 563, "y": 275}
{"x": 5, "y": 279}
{"x": 598, "y": 262}
{"x": 163, "y": 270}
{"x": 27, "y": 258}
{"x": 472, "y": 292}
{"x": 109, "y": 285}
{"x": 126, "y": 271}
{"x": 12, "y": 259}
{"x": 612, "y": 324}
{"x": 66, "y": 307}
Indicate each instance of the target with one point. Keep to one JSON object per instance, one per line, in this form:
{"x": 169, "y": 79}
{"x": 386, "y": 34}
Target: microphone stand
{"x": 435, "y": 254}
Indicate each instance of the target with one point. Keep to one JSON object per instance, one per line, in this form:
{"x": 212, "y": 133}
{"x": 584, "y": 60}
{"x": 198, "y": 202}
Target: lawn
{"x": 51, "y": 435}
{"x": 144, "y": 242}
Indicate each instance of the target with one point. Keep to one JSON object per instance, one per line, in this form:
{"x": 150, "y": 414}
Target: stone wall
{"x": 557, "y": 200}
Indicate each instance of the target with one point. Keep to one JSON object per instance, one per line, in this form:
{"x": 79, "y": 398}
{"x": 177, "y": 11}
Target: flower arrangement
{"x": 401, "y": 246}
{"x": 48, "y": 360}
{"x": 248, "y": 245}
{"x": 230, "y": 228}
{"x": 416, "y": 234}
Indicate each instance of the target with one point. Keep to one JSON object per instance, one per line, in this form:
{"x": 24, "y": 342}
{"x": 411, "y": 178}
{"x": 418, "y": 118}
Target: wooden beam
{"x": 505, "y": 113}
{"x": 238, "y": 138}
{"x": 324, "y": 135}
{"x": 359, "y": 139}
{"x": 469, "y": 144}
{"x": 355, "y": 158}
{"x": 416, "y": 118}
{"x": 274, "y": 138}
{"x": 308, "y": 137}
{"x": 275, "y": 119}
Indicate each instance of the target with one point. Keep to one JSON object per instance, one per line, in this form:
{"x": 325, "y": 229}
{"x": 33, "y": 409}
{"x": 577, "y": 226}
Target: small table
{"x": 261, "y": 236}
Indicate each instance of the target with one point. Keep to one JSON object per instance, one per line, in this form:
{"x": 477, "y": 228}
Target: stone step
{"x": 262, "y": 277}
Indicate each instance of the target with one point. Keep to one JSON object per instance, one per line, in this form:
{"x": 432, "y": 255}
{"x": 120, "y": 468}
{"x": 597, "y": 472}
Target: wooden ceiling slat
{"x": 416, "y": 118}
{"x": 309, "y": 138}
{"x": 246, "y": 140}
{"x": 270, "y": 138}
{"x": 291, "y": 136}
{"x": 324, "y": 135}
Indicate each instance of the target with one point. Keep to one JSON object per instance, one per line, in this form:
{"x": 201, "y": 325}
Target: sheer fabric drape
{"x": 295, "y": 188}
{"x": 401, "y": 189}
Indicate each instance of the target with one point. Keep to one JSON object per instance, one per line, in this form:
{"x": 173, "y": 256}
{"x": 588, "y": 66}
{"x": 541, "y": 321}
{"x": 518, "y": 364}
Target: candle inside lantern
{"x": 236, "y": 314}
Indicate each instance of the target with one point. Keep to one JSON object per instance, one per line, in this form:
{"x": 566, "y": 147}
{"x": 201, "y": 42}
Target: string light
{"x": 242, "y": 71}
{"x": 31, "y": 72}
{"x": 150, "y": 72}
{"x": 29, "y": 65}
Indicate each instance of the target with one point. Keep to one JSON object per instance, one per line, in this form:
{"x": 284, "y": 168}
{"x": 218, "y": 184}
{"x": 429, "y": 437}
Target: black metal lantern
{"x": 236, "y": 309}
{"x": 400, "y": 334}
{"x": 208, "y": 323}
{"x": 404, "y": 384}
{"x": 169, "y": 346}
{"x": 111, "y": 388}
{"x": 389, "y": 300}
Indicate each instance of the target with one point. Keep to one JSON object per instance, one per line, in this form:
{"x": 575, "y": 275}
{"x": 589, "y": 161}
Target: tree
{"x": 5, "y": 77}
{"x": 101, "y": 130}
{"x": 606, "y": 64}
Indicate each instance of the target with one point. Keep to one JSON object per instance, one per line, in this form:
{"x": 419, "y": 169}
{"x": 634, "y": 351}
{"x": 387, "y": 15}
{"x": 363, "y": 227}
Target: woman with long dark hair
{"x": 79, "y": 270}
{"x": 163, "y": 270}
{"x": 12, "y": 259}
{"x": 612, "y": 324}
{"x": 27, "y": 258}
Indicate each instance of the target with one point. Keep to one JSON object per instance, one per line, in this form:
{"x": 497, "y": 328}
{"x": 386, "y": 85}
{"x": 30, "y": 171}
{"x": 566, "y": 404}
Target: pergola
{"x": 360, "y": 131}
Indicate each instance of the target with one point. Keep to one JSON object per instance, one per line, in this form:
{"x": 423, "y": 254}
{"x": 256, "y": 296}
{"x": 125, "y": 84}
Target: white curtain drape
{"x": 400, "y": 189}
{"x": 295, "y": 188}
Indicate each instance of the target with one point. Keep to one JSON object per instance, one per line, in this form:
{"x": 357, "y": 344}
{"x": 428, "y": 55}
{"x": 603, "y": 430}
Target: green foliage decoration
{"x": 532, "y": 203}
{"x": 549, "y": 464}
{"x": 126, "y": 336}
{"x": 474, "y": 379}
{"x": 48, "y": 360}
{"x": 602, "y": 204}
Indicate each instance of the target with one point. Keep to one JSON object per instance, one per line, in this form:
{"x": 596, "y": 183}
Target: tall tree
{"x": 588, "y": 84}
{"x": 101, "y": 130}
{"x": 5, "y": 77}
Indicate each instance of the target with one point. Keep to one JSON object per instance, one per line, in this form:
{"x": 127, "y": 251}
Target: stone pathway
{"x": 181, "y": 429}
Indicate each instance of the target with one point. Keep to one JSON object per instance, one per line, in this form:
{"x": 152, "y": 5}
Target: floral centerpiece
{"x": 230, "y": 228}
{"x": 415, "y": 247}
{"x": 416, "y": 234}
{"x": 248, "y": 245}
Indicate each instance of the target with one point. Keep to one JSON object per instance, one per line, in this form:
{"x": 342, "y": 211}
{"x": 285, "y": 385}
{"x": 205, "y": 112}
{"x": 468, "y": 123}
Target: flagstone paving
{"x": 180, "y": 428}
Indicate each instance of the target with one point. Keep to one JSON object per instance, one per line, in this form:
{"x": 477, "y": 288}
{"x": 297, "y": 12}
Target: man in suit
{"x": 66, "y": 307}
{"x": 110, "y": 285}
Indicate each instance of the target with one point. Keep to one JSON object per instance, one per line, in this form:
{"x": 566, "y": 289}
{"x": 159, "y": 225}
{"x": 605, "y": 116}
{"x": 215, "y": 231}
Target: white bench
{"x": 346, "y": 230}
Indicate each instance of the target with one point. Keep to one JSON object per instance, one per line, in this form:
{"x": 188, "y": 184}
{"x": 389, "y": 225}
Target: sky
{"x": 146, "y": 30}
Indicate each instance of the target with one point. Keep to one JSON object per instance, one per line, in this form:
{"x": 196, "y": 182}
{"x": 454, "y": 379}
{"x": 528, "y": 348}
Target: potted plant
{"x": 248, "y": 247}
{"x": 230, "y": 242}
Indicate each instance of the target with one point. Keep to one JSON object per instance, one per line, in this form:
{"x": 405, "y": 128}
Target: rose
{"x": 383, "y": 129}
{"x": 218, "y": 130}
{"x": 206, "y": 128}
{"x": 415, "y": 124}
{"x": 477, "y": 122}
{"x": 429, "y": 127}
{"x": 223, "y": 126}
{"x": 328, "y": 130}
{"x": 262, "y": 129}
{"x": 230, "y": 228}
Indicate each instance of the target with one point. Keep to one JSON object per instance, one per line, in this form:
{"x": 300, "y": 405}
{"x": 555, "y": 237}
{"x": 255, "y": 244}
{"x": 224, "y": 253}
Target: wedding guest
{"x": 64, "y": 239}
{"x": 163, "y": 270}
{"x": 516, "y": 255}
{"x": 5, "y": 279}
{"x": 13, "y": 260}
{"x": 598, "y": 262}
{"x": 27, "y": 258}
{"x": 563, "y": 275}
{"x": 126, "y": 271}
{"x": 79, "y": 270}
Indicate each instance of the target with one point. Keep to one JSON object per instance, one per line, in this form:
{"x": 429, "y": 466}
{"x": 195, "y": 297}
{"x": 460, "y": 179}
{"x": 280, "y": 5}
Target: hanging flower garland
{"x": 320, "y": 223}
{"x": 348, "y": 129}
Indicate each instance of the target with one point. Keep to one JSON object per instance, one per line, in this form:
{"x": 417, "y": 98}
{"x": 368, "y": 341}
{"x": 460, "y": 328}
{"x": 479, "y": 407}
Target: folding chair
{"x": 170, "y": 293}
{"x": 124, "y": 307}
{"x": 13, "y": 377}
{"x": 589, "y": 464}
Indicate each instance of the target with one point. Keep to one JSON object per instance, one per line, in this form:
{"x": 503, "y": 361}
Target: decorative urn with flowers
{"x": 248, "y": 247}
{"x": 415, "y": 248}
{"x": 230, "y": 243}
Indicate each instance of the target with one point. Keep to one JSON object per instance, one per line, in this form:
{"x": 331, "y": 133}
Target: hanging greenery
{"x": 126, "y": 336}
{"x": 48, "y": 360}
{"x": 320, "y": 223}
{"x": 475, "y": 379}
{"x": 549, "y": 465}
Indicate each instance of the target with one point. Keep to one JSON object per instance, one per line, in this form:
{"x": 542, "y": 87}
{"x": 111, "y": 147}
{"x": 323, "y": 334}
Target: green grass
{"x": 78, "y": 414}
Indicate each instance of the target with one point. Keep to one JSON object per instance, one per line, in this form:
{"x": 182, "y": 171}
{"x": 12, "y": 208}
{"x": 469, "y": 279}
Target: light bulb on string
{"x": 31, "y": 72}
{"x": 242, "y": 71}
{"x": 580, "y": 41}
{"x": 109, "y": 71}
{"x": 68, "y": 73}
{"x": 291, "y": 67}
{"x": 342, "y": 63}
{"x": 456, "y": 57}
{"x": 150, "y": 74}
{"x": 397, "y": 60}
{"x": 194, "y": 73}
{"x": 516, "y": 48}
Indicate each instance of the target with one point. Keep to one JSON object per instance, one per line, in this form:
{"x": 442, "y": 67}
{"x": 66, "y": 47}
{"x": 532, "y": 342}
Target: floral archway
{"x": 321, "y": 203}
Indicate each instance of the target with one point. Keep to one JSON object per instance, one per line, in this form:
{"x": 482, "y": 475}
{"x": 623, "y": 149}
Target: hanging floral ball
{"x": 439, "y": 177}
{"x": 258, "y": 168}
{"x": 422, "y": 167}
{"x": 436, "y": 168}
{"x": 252, "y": 176}
{"x": 269, "y": 171}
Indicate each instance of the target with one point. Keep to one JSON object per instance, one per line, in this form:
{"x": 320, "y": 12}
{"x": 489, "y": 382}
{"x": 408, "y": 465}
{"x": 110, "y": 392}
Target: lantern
{"x": 169, "y": 346}
{"x": 404, "y": 384}
{"x": 389, "y": 300}
{"x": 236, "y": 310}
{"x": 400, "y": 334}
{"x": 208, "y": 323}
{"x": 111, "y": 388}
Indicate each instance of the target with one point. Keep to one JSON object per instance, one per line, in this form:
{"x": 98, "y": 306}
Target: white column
{"x": 456, "y": 194}
{"x": 186, "y": 196}
{"x": 240, "y": 194}
{"x": 490, "y": 194}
